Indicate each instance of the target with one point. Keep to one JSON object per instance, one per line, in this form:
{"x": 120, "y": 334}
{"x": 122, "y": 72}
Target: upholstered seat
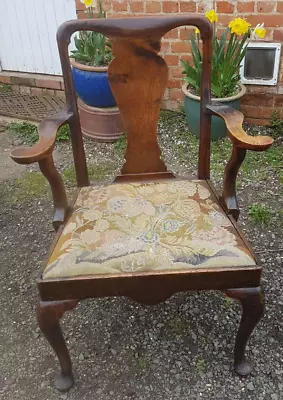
{"x": 133, "y": 227}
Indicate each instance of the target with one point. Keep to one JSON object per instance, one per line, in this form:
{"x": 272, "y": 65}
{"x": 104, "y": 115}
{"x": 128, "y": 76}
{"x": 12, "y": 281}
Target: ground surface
{"x": 181, "y": 349}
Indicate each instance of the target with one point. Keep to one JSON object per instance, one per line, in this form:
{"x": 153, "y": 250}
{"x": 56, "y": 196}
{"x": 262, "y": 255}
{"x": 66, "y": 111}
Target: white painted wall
{"x": 28, "y": 34}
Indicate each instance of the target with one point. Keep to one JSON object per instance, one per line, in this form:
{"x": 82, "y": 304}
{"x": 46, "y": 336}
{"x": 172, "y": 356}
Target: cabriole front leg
{"x": 252, "y": 300}
{"x": 48, "y": 316}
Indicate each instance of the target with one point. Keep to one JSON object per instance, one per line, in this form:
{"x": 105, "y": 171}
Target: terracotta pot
{"x": 101, "y": 124}
{"x": 192, "y": 110}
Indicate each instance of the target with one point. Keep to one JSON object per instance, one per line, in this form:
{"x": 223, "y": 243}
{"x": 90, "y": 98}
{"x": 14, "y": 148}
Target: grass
{"x": 277, "y": 125}
{"x": 201, "y": 365}
{"x": 228, "y": 302}
{"x": 33, "y": 185}
{"x": 5, "y": 88}
{"x": 30, "y": 186}
{"x": 120, "y": 145}
{"x": 142, "y": 363}
{"x": 29, "y": 132}
{"x": 96, "y": 172}
{"x": 259, "y": 214}
{"x": 177, "y": 326}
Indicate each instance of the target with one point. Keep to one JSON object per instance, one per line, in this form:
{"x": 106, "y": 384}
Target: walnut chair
{"x": 149, "y": 234}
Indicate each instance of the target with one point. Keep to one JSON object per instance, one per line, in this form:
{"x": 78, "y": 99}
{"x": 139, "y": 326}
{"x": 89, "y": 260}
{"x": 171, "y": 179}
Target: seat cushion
{"x": 134, "y": 227}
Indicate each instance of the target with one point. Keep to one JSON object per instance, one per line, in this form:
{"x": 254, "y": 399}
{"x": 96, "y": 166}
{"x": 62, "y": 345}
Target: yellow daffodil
{"x": 211, "y": 16}
{"x": 88, "y": 3}
{"x": 197, "y": 31}
{"x": 239, "y": 26}
{"x": 259, "y": 32}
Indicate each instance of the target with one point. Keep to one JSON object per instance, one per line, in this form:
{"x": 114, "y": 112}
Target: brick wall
{"x": 260, "y": 101}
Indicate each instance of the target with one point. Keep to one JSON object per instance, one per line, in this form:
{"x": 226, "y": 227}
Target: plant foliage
{"x": 228, "y": 51}
{"x": 93, "y": 48}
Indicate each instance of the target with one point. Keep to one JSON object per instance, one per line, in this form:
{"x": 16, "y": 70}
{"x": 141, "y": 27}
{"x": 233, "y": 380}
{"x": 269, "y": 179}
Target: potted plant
{"x": 228, "y": 51}
{"x": 100, "y": 118}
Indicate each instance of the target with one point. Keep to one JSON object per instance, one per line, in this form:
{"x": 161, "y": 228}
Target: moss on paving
{"x": 28, "y": 132}
{"x": 96, "y": 172}
{"x": 32, "y": 185}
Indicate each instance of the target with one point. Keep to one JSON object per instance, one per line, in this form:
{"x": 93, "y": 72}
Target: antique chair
{"x": 148, "y": 234}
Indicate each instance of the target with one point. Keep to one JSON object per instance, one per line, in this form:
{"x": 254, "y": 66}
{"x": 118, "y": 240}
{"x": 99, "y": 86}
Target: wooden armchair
{"x": 149, "y": 234}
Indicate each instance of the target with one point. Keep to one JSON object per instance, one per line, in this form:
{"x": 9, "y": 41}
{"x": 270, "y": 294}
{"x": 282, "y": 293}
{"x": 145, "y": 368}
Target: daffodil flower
{"x": 88, "y": 3}
{"x": 259, "y": 32}
{"x": 197, "y": 31}
{"x": 239, "y": 26}
{"x": 211, "y": 16}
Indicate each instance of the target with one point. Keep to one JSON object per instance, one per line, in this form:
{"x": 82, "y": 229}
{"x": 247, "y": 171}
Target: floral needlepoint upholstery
{"x": 134, "y": 227}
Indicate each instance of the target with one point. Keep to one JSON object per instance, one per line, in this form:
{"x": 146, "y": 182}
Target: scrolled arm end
{"x": 47, "y": 130}
{"x": 234, "y": 122}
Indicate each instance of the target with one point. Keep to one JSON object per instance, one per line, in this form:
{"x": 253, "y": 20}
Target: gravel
{"x": 178, "y": 350}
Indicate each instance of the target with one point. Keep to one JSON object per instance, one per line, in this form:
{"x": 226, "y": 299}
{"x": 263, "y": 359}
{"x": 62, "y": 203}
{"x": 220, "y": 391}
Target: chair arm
{"x": 241, "y": 143}
{"x": 234, "y": 122}
{"x": 41, "y": 152}
{"x": 47, "y": 130}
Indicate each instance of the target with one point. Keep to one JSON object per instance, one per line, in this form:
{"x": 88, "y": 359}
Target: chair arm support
{"x": 41, "y": 152}
{"x": 47, "y": 130}
{"x": 234, "y": 122}
{"x": 241, "y": 143}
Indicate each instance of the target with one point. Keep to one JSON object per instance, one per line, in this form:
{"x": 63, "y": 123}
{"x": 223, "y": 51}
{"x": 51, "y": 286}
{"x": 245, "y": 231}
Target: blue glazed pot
{"x": 192, "y": 111}
{"x": 92, "y": 85}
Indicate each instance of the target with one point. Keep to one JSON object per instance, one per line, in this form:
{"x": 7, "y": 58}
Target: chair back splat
{"x": 138, "y": 78}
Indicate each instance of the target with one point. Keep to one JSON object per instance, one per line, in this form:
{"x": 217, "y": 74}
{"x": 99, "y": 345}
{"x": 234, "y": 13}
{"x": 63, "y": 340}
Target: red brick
{"x": 202, "y": 6}
{"x": 5, "y": 79}
{"x": 187, "y": 57}
{"x": 79, "y": 5}
{"x": 176, "y": 94}
{"x": 278, "y": 35}
{"x": 170, "y": 7}
{"x": 186, "y": 32}
{"x": 179, "y": 47}
{"x": 251, "y": 111}
{"x": 36, "y": 91}
{"x": 176, "y": 72}
{"x": 266, "y": 6}
{"x": 188, "y": 6}
{"x": 279, "y": 101}
{"x": 165, "y": 46}
{"x": 279, "y": 7}
{"x": 153, "y": 7}
{"x": 225, "y": 7}
{"x": 258, "y": 121}
{"x": 264, "y": 100}
{"x": 270, "y": 20}
{"x": 119, "y": 6}
{"x": 174, "y": 83}
{"x": 137, "y": 6}
{"x": 81, "y": 15}
{"x": 171, "y": 59}
{"x": 48, "y": 92}
{"x": 246, "y": 7}
{"x": 172, "y": 34}
{"x": 267, "y": 113}
{"x": 48, "y": 83}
